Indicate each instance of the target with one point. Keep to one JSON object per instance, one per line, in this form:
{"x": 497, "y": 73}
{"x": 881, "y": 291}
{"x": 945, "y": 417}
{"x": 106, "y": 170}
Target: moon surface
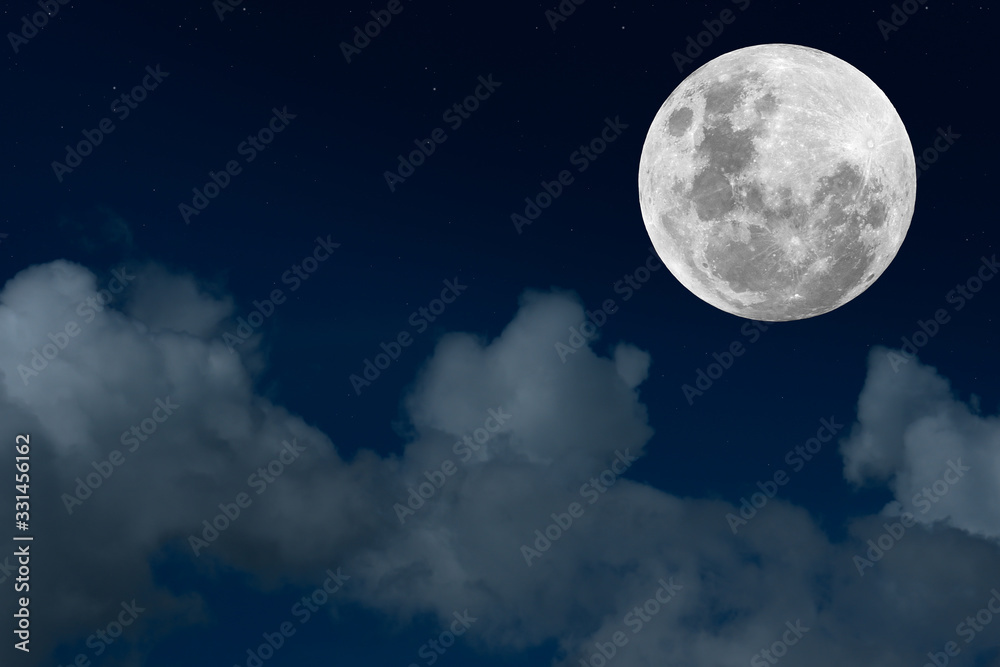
{"x": 777, "y": 182}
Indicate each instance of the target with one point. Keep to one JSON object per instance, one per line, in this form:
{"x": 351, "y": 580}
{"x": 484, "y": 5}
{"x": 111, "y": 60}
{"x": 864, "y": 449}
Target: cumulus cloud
{"x": 940, "y": 456}
{"x": 526, "y": 436}
{"x": 632, "y": 364}
{"x": 161, "y": 301}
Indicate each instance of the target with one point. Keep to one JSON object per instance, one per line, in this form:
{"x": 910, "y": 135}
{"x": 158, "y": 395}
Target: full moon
{"x": 777, "y": 182}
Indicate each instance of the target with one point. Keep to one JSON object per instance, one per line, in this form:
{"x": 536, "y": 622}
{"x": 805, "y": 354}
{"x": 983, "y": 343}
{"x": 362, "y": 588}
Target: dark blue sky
{"x": 342, "y": 125}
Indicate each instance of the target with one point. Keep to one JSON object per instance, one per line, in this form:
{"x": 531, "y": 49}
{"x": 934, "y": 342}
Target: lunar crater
{"x": 777, "y": 182}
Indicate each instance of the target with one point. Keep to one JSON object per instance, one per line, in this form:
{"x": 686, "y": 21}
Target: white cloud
{"x": 462, "y": 550}
{"x": 914, "y": 432}
{"x": 632, "y": 364}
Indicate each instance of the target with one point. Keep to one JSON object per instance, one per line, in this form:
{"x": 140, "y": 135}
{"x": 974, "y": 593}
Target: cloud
{"x": 632, "y": 364}
{"x": 915, "y": 433}
{"x": 568, "y": 429}
{"x": 161, "y": 301}
{"x": 100, "y": 231}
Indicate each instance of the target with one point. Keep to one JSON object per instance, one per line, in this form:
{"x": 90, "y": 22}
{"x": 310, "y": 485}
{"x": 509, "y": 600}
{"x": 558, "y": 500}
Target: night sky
{"x": 228, "y": 288}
